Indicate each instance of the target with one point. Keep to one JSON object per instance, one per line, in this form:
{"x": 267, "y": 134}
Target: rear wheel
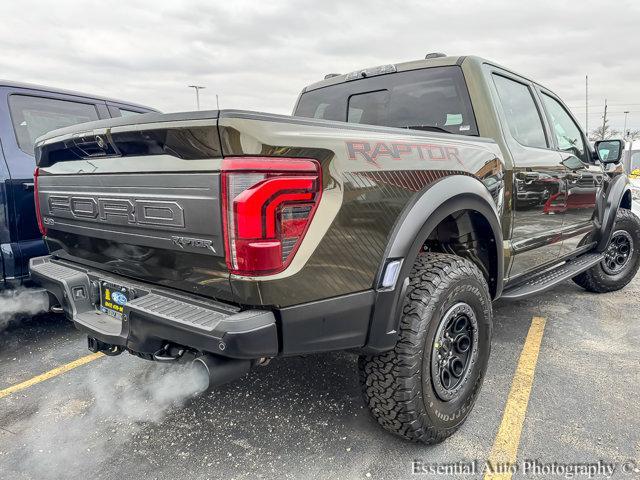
{"x": 621, "y": 258}
{"x": 424, "y": 388}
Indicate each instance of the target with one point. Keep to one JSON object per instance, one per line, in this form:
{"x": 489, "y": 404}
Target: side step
{"x": 542, "y": 281}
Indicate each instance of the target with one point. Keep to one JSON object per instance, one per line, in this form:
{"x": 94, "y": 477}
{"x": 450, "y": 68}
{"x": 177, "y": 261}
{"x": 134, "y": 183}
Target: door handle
{"x": 28, "y": 185}
{"x": 573, "y": 178}
{"x": 527, "y": 177}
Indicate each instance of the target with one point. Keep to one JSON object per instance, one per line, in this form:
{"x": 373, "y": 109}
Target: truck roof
{"x": 439, "y": 61}
{"x": 44, "y": 88}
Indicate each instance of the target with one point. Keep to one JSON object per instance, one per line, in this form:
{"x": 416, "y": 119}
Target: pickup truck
{"x": 383, "y": 218}
{"x": 26, "y": 112}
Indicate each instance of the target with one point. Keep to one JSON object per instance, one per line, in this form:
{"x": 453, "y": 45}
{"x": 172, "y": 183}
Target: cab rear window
{"x": 433, "y": 99}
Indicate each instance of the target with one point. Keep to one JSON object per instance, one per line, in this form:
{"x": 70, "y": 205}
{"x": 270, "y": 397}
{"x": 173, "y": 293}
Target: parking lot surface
{"x": 302, "y": 417}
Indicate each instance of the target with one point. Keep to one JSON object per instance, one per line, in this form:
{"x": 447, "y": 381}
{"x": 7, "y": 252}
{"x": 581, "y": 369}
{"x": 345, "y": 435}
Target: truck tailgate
{"x": 139, "y": 199}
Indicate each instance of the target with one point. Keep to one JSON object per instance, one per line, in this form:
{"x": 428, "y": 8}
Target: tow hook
{"x": 263, "y": 362}
{"x": 96, "y": 345}
{"x": 169, "y": 353}
{"x": 56, "y": 309}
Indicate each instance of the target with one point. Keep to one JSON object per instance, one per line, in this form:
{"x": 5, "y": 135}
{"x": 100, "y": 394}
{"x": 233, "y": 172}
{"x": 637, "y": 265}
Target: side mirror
{"x": 609, "y": 151}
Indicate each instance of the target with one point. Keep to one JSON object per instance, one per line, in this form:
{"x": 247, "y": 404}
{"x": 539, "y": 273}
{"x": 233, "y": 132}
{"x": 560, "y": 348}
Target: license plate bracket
{"x": 113, "y": 298}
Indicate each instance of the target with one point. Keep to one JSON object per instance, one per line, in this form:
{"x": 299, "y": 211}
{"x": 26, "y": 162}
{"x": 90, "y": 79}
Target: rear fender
{"x": 418, "y": 220}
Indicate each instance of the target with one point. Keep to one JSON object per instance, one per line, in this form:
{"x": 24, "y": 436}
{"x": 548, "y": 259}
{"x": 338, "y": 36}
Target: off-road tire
{"x": 596, "y": 279}
{"x": 397, "y": 385}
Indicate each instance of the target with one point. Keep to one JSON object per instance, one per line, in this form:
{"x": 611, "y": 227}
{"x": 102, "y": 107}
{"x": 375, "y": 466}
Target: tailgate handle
{"x": 28, "y": 185}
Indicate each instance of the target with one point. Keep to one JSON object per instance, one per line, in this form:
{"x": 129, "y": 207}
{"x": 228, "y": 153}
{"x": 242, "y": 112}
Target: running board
{"x": 541, "y": 281}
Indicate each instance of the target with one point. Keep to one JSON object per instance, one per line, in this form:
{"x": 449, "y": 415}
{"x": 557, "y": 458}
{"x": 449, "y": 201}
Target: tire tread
{"x": 595, "y": 279}
{"x": 391, "y": 380}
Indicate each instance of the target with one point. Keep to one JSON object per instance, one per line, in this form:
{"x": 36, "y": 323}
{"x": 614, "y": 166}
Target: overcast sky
{"x": 258, "y": 55}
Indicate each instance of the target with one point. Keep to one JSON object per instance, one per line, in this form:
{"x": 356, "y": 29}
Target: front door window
{"x": 567, "y": 133}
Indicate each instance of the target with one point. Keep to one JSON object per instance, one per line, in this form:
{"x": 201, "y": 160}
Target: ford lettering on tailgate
{"x": 164, "y": 213}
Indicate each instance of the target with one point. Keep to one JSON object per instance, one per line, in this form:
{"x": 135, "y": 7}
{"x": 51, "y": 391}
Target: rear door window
{"x": 427, "y": 99}
{"x": 34, "y": 116}
{"x": 522, "y": 115}
{"x": 117, "y": 111}
{"x": 128, "y": 113}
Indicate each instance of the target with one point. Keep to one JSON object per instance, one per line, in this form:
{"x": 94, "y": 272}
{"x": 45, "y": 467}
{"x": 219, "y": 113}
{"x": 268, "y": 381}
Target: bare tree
{"x": 604, "y": 132}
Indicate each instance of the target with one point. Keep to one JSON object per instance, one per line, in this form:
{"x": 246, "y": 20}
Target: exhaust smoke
{"x": 21, "y": 302}
{"x": 79, "y": 424}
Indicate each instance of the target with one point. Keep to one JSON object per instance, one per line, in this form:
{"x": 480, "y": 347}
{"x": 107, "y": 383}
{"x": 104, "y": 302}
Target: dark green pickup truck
{"x": 383, "y": 217}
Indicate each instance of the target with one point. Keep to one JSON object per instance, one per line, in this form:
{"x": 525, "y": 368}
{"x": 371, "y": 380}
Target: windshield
{"x": 432, "y": 99}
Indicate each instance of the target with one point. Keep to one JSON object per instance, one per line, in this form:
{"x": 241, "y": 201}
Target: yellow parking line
{"x": 50, "y": 374}
{"x": 505, "y": 446}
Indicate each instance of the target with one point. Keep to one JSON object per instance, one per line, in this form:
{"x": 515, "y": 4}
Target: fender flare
{"x": 419, "y": 218}
{"x": 608, "y": 205}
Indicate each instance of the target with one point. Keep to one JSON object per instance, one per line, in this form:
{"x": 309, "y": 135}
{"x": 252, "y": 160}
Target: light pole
{"x": 604, "y": 120}
{"x": 624, "y": 139}
{"x": 197, "y": 88}
{"x": 586, "y": 104}
{"x": 624, "y": 131}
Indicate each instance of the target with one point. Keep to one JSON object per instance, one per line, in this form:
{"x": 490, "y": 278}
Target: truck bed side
{"x": 163, "y": 172}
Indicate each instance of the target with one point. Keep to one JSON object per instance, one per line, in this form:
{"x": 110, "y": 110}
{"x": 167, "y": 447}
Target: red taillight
{"x": 36, "y": 198}
{"x": 267, "y": 207}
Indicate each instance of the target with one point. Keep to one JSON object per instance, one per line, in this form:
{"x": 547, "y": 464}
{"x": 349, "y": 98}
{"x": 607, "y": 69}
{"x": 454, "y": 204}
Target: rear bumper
{"x": 156, "y": 316}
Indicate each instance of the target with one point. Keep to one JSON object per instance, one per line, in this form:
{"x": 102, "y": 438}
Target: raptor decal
{"x": 372, "y": 151}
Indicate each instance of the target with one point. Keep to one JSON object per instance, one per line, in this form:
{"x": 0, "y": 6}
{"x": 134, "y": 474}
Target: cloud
{"x": 258, "y": 55}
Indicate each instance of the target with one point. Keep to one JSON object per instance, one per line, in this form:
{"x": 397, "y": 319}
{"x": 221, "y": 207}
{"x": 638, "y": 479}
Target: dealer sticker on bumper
{"x": 113, "y": 298}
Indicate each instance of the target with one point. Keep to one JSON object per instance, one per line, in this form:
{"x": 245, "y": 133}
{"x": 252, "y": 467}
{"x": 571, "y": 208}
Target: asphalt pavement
{"x": 123, "y": 417}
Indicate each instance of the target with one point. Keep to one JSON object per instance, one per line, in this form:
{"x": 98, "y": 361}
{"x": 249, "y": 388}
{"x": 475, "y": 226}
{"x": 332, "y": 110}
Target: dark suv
{"x": 26, "y": 112}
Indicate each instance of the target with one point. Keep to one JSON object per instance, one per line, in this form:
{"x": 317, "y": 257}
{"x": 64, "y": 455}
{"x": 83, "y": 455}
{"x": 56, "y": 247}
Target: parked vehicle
{"x": 631, "y": 160}
{"x": 382, "y": 217}
{"x": 26, "y": 112}
{"x": 635, "y": 187}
